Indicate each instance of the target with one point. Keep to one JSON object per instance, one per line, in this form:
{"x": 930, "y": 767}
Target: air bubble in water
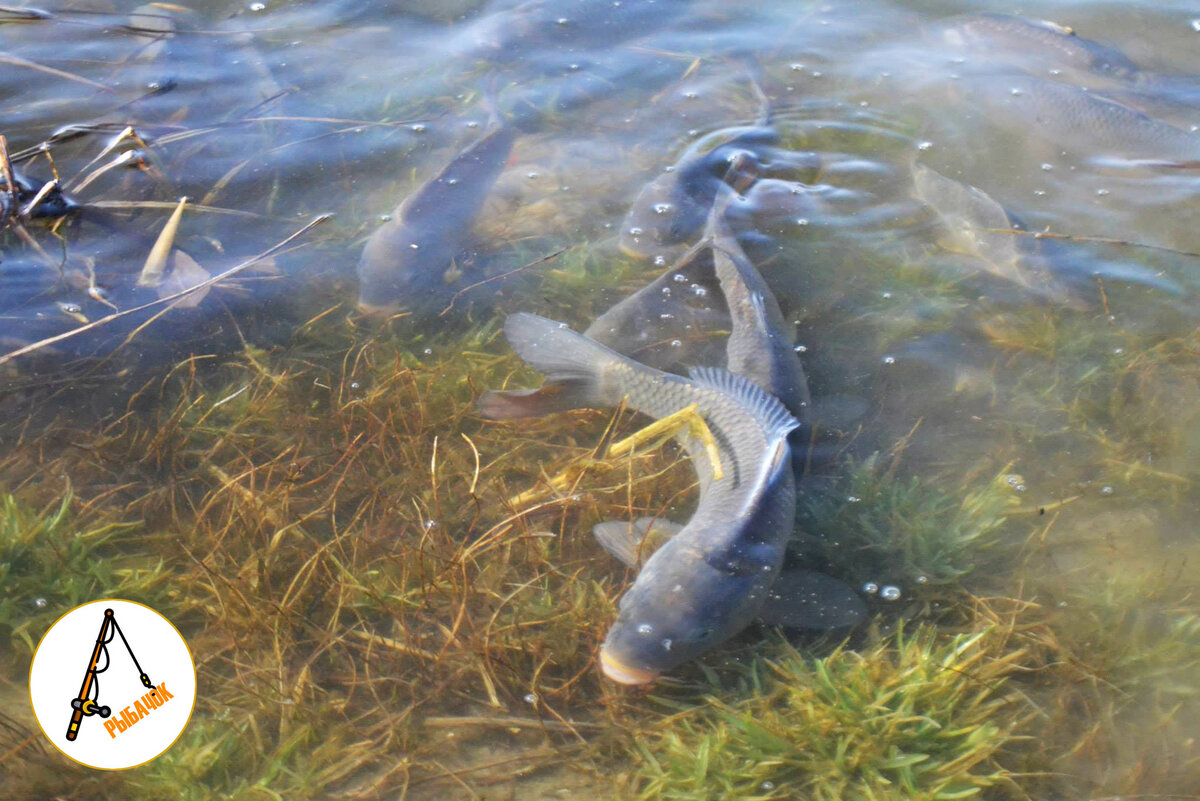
{"x": 889, "y": 593}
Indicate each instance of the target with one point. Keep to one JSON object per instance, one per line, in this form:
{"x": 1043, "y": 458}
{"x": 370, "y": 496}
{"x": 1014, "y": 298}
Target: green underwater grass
{"x": 329, "y": 524}
{"x": 913, "y": 715}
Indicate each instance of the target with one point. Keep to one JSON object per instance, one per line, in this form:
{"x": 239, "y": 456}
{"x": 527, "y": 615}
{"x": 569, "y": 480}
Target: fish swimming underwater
{"x": 715, "y": 575}
{"x": 1043, "y": 48}
{"x": 673, "y": 208}
{"x": 710, "y": 580}
{"x": 664, "y": 323}
{"x": 411, "y": 257}
{"x": 760, "y": 346}
{"x": 973, "y": 224}
{"x": 1044, "y": 43}
{"x": 1083, "y": 124}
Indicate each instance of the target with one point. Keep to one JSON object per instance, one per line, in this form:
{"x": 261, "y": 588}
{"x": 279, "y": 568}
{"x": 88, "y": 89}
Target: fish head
{"x": 681, "y": 605}
{"x": 401, "y": 268}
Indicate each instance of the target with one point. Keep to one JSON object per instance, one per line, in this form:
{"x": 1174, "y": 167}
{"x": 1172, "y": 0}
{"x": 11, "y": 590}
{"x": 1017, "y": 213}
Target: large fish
{"x": 718, "y": 572}
{"x": 410, "y": 259}
{"x": 711, "y": 579}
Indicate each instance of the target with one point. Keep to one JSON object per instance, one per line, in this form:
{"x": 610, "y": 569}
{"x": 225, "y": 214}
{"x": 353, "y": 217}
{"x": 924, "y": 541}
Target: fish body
{"x": 760, "y": 345}
{"x": 1083, "y": 122}
{"x": 711, "y": 579}
{"x": 410, "y": 258}
{"x": 1039, "y": 40}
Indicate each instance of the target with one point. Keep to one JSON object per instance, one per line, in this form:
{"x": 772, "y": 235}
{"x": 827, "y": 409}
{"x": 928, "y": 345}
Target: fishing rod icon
{"x": 89, "y": 692}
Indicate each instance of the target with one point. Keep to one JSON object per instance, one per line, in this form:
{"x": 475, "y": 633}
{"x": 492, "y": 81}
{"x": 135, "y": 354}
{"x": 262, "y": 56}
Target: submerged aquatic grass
{"x": 874, "y": 524}
{"x": 50, "y": 563}
{"x": 329, "y": 523}
{"x": 916, "y": 715}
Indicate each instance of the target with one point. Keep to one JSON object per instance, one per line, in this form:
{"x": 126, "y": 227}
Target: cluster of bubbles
{"x": 888, "y": 592}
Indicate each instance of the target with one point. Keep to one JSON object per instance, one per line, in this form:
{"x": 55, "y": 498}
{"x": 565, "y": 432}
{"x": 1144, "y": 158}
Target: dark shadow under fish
{"x": 410, "y": 259}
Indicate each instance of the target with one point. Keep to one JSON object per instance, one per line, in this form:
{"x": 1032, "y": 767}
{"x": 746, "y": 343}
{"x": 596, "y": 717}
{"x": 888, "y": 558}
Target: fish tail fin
{"x": 574, "y": 366}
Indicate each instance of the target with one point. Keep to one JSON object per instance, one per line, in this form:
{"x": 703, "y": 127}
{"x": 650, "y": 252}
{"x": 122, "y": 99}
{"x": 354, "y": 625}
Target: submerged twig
{"x": 17, "y": 61}
{"x": 466, "y": 289}
{"x": 1101, "y": 240}
{"x": 156, "y": 260}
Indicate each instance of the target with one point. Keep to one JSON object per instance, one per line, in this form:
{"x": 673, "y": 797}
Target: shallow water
{"x": 275, "y": 450}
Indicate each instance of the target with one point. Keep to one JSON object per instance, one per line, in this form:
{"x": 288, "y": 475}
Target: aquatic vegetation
{"x": 876, "y": 525}
{"x": 50, "y": 563}
{"x": 915, "y": 716}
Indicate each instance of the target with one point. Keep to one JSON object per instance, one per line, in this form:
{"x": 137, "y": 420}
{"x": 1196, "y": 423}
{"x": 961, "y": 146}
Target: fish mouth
{"x": 624, "y": 674}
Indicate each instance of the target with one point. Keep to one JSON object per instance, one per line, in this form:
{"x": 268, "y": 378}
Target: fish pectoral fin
{"x": 628, "y": 541}
{"x": 453, "y": 273}
{"x": 806, "y": 599}
{"x": 656, "y": 528}
{"x": 618, "y": 538}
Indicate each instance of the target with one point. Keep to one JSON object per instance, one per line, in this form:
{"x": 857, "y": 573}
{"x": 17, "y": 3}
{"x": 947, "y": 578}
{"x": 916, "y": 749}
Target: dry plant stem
{"x": 687, "y": 418}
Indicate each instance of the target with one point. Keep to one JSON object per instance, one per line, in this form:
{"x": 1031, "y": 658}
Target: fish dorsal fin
{"x": 774, "y": 416}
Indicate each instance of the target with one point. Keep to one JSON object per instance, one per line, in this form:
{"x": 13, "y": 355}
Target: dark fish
{"x": 761, "y": 345}
{"x": 712, "y": 578}
{"x": 410, "y": 258}
{"x": 674, "y": 207}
